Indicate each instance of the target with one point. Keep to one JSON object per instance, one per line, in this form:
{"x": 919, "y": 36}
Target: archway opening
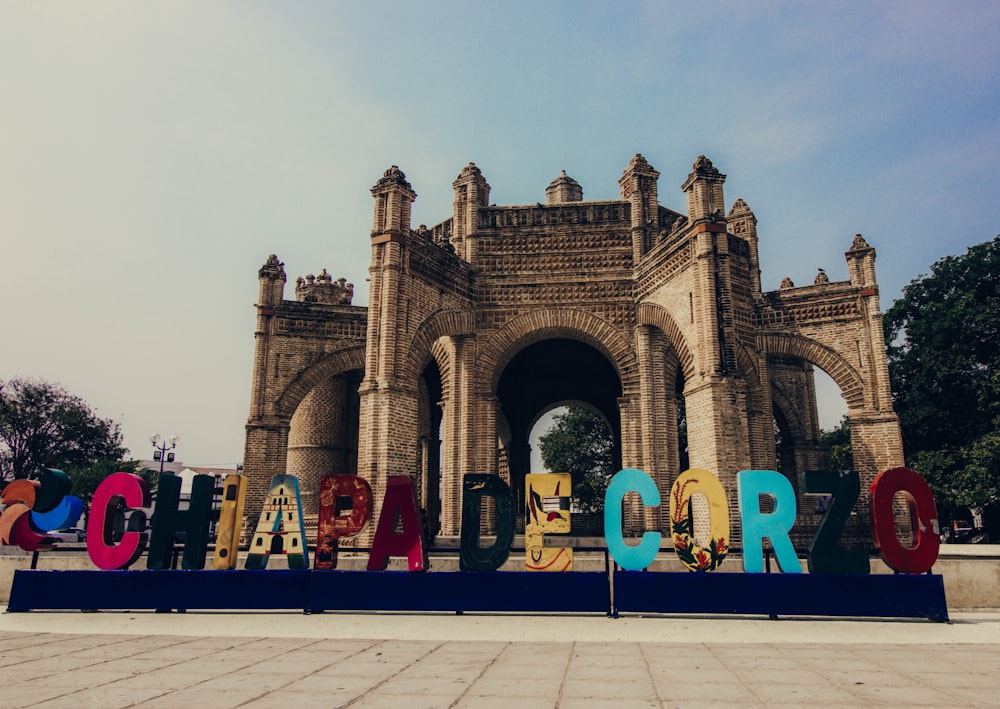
{"x": 537, "y": 380}
{"x": 430, "y": 415}
{"x": 323, "y": 435}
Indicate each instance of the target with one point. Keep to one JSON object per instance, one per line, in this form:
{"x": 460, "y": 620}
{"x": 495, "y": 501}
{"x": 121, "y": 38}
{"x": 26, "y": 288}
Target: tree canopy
{"x": 44, "y": 426}
{"x": 943, "y": 343}
{"x": 580, "y": 443}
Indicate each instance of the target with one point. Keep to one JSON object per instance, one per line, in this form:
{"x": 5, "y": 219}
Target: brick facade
{"x": 479, "y": 325}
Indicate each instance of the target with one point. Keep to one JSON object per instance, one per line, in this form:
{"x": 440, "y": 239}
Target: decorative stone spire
{"x": 393, "y": 197}
{"x": 638, "y": 185}
{"x": 861, "y": 263}
{"x": 743, "y": 223}
{"x": 472, "y": 192}
{"x": 704, "y": 190}
{"x": 563, "y": 189}
{"x": 272, "y": 282}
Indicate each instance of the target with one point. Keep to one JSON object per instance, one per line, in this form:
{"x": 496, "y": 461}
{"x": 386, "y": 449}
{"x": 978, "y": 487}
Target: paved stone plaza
{"x": 217, "y": 659}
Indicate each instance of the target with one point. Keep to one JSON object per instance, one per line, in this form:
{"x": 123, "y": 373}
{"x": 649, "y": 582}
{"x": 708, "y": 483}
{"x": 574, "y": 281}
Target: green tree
{"x": 580, "y": 443}
{"x": 86, "y": 480}
{"x": 44, "y": 426}
{"x": 838, "y": 441}
{"x": 943, "y": 343}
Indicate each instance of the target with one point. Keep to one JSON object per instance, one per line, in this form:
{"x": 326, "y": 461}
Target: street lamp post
{"x": 163, "y": 452}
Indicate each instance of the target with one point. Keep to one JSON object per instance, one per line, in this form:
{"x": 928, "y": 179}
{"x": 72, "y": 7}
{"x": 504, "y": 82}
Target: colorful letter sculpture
{"x": 117, "y": 488}
{"x": 193, "y": 523}
{"x": 279, "y": 529}
{"x": 400, "y": 503}
{"x": 475, "y": 488}
{"x": 825, "y": 557}
{"x": 546, "y": 511}
{"x": 750, "y": 485}
{"x": 33, "y": 506}
{"x": 345, "y": 506}
{"x": 638, "y": 557}
{"x": 923, "y": 517}
{"x": 227, "y": 533}
{"x": 693, "y": 556}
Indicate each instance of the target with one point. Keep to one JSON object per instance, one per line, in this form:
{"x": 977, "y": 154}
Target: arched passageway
{"x": 542, "y": 376}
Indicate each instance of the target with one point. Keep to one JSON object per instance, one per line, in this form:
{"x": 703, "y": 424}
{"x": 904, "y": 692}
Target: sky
{"x": 152, "y": 155}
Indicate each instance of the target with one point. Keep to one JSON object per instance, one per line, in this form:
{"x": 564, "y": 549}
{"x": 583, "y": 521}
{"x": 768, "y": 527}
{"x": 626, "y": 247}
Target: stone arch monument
{"x": 477, "y": 325}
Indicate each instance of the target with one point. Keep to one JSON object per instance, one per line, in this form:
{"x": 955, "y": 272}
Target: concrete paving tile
{"x": 688, "y": 663}
{"x": 332, "y": 683}
{"x": 801, "y": 695}
{"x": 609, "y": 689}
{"x": 682, "y": 675}
{"x": 754, "y": 650}
{"x": 622, "y": 674}
{"x": 623, "y": 655}
{"x": 367, "y": 669}
{"x": 597, "y": 702}
{"x": 347, "y": 645}
{"x": 218, "y": 643}
{"x": 975, "y": 696}
{"x": 14, "y": 675}
{"x": 226, "y": 664}
{"x": 394, "y": 701}
{"x": 839, "y": 664}
{"x": 59, "y": 663}
{"x": 98, "y": 698}
{"x": 466, "y": 673}
{"x": 419, "y": 686}
{"x": 201, "y": 696}
{"x": 300, "y": 700}
{"x": 875, "y": 677}
{"x": 74, "y": 680}
{"x": 801, "y": 678}
{"x": 697, "y": 691}
{"x": 958, "y": 680}
{"x": 285, "y": 665}
{"x": 162, "y": 679}
{"x": 908, "y": 696}
{"x": 468, "y": 702}
{"x": 516, "y": 687}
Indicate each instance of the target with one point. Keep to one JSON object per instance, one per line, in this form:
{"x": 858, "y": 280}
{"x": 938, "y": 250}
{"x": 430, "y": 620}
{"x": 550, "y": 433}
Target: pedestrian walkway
{"x": 257, "y": 659}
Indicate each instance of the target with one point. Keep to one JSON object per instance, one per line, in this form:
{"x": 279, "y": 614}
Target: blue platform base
{"x": 773, "y": 595}
{"x": 875, "y": 595}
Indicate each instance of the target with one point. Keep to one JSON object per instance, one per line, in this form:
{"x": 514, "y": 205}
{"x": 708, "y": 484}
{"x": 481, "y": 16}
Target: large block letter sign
{"x": 345, "y": 506}
{"x": 117, "y": 488}
{"x": 400, "y": 503}
{"x": 279, "y": 529}
{"x": 53, "y": 486}
{"x": 193, "y": 523}
{"x": 750, "y": 485}
{"x": 825, "y": 557}
{"x": 692, "y": 555}
{"x": 546, "y": 512}
{"x": 227, "y": 536}
{"x": 926, "y": 531}
{"x": 641, "y": 555}
{"x": 19, "y": 498}
{"x": 64, "y": 515}
{"x": 476, "y": 487}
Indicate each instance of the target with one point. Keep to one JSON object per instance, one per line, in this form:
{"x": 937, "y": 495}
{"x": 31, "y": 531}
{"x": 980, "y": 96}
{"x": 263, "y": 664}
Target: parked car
{"x": 72, "y": 535}
{"x": 961, "y": 531}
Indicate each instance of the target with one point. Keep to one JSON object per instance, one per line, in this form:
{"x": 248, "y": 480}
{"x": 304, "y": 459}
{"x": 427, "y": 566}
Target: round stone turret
{"x": 563, "y": 189}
